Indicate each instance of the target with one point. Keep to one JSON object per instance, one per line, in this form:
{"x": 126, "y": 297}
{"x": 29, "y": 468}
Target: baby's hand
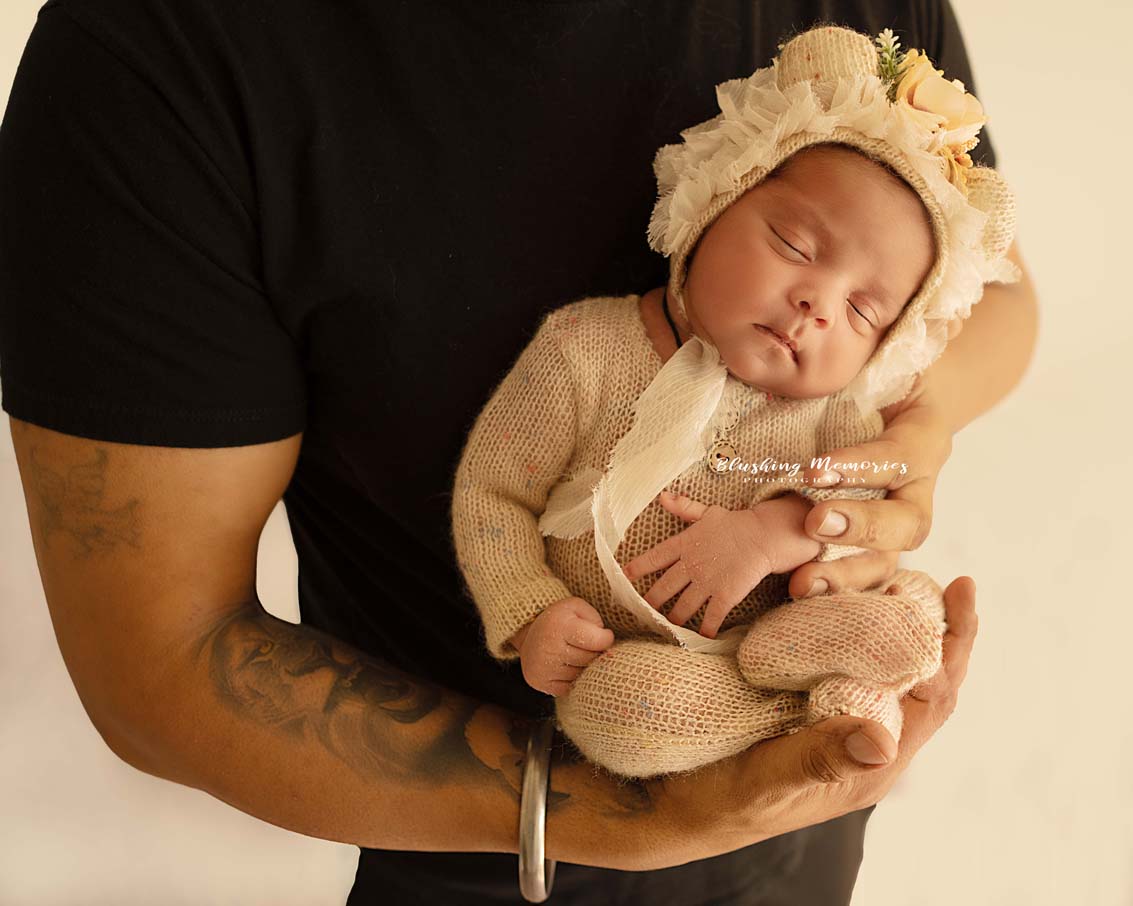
{"x": 557, "y": 644}
{"x": 723, "y": 555}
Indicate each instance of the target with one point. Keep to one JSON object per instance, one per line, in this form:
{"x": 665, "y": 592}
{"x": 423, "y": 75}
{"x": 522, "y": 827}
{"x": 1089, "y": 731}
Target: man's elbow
{"x": 127, "y": 738}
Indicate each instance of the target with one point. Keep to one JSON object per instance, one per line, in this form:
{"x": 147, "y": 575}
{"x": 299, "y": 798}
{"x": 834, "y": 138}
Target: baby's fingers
{"x": 560, "y": 682}
{"x": 579, "y": 657}
{"x": 690, "y": 601}
{"x": 585, "y": 635}
{"x": 581, "y": 609}
{"x": 557, "y": 688}
{"x": 663, "y": 555}
{"x": 718, "y": 609}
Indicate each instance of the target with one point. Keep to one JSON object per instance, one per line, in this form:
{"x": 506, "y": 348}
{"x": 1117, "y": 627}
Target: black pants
{"x": 815, "y": 866}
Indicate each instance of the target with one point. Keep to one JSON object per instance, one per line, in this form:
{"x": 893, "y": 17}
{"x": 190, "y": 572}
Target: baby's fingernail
{"x": 826, "y": 479}
{"x": 863, "y": 751}
{"x": 819, "y": 587}
{"x": 833, "y": 525}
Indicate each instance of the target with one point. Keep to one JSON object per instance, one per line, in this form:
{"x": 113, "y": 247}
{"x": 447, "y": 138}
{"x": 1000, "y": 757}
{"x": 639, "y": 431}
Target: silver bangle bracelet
{"x": 536, "y": 871}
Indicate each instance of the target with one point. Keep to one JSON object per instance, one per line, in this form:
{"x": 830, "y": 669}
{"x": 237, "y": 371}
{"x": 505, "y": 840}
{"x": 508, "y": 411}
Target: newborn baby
{"x": 795, "y": 284}
{"x": 806, "y": 292}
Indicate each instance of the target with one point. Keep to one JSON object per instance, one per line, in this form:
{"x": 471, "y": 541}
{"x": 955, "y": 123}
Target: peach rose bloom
{"x": 937, "y": 104}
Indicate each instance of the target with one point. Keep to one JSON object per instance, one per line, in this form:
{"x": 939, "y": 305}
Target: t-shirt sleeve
{"x": 944, "y": 45}
{"x": 132, "y": 305}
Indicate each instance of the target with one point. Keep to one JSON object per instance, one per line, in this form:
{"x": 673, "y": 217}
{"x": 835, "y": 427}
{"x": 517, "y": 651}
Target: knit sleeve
{"x": 518, "y": 448}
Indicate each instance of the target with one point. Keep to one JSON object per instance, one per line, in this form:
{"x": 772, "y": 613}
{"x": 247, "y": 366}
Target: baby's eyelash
{"x": 797, "y": 251}
{"x": 860, "y": 313}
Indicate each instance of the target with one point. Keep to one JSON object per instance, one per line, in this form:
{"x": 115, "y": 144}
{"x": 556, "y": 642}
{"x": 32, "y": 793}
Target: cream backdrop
{"x": 1022, "y": 797}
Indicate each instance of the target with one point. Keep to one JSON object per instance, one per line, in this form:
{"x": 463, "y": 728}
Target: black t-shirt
{"x": 222, "y": 223}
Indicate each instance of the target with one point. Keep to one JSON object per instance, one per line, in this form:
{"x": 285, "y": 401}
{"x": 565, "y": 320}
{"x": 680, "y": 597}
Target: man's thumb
{"x": 837, "y": 749}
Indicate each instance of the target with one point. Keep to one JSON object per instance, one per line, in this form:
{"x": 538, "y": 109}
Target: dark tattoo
{"x": 309, "y": 685}
{"x": 72, "y": 502}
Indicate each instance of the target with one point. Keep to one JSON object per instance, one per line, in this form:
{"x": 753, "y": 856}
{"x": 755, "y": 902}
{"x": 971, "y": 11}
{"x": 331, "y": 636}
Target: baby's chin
{"x": 790, "y": 386}
{"x": 787, "y": 392}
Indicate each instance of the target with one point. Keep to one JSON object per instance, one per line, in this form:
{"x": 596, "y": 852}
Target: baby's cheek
{"x": 829, "y": 370}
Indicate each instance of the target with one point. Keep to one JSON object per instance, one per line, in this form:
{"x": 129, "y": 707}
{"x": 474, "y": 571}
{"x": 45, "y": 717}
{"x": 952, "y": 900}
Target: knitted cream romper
{"x": 648, "y": 706}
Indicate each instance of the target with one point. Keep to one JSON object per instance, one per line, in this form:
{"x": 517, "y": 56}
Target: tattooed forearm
{"x": 308, "y": 684}
{"x": 71, "y": 502}
{"x": 381, "y": 722}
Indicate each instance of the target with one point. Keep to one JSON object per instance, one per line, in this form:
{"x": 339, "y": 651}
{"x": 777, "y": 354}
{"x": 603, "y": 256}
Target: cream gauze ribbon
{"x": 673, "y": 424}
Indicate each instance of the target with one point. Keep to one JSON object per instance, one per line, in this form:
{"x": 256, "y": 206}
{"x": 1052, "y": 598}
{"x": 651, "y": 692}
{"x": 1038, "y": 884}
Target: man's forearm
{"x": 989, "y": 356}
{"x": 297, "y": 728}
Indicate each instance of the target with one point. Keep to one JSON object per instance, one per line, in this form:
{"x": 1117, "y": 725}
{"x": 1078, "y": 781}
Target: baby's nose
{"x": 806, "y": 307}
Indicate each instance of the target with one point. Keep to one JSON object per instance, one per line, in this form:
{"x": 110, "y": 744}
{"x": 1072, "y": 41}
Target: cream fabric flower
{"x": 936, "y": 104}
{"x": 942, "y": 108}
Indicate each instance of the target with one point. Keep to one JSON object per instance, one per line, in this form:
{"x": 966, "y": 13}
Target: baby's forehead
{"x": 838, "y": 183}
{"x": 829, "y": 156}
{"x": 812, "y": 178}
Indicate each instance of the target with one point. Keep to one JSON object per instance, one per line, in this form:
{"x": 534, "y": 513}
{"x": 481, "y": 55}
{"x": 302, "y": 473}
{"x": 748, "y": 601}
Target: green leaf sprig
{"x": 890, "y": 59}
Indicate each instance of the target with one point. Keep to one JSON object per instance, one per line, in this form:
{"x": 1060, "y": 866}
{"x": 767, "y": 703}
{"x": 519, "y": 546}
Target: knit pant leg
{"x": 853, "y": 653}
{"x": 644, "y": 708}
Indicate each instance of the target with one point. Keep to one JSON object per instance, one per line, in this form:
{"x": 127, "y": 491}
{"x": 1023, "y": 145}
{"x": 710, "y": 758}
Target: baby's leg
{"x": 644, "y": 708}
{"x": 856, "y": 653}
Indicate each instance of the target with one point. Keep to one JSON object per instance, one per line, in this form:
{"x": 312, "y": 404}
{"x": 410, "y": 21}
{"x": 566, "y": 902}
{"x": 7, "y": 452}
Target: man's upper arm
{"x": 139, "y": 547}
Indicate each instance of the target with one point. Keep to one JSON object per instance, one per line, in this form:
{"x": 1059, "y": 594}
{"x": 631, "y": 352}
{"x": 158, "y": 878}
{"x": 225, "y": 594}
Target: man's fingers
{"x": 823, "y": 753}
{"x": 935, "y": 700}
{"x": 894, "y": 524}
{"x": 930, "y": 688}
{"x": 854, "y": 573}
{"x": 963, "y": 624}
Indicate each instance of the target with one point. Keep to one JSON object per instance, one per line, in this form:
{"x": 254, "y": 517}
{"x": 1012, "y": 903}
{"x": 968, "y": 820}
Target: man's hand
{"x": 556, "y": 646}
{"x": 723, "y": 555}
{"x": 818, "y": 773}
{"x": 915, "y": 443}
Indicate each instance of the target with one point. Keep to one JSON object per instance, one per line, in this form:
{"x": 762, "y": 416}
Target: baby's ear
{"x": 989, "y": 192}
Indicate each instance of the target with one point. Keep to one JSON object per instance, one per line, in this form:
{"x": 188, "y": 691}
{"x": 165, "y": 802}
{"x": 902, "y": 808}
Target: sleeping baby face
{"x": 798, "y": 281}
